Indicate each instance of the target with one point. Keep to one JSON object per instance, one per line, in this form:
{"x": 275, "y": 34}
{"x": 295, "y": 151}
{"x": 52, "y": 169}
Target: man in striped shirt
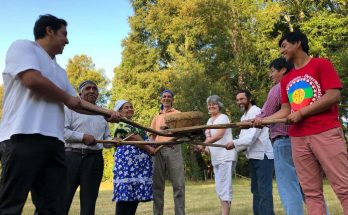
{"x": 287, "y": 181}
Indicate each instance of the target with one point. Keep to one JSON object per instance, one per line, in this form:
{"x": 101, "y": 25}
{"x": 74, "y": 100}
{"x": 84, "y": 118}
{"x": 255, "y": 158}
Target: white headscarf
{"x": 119, "y": 104}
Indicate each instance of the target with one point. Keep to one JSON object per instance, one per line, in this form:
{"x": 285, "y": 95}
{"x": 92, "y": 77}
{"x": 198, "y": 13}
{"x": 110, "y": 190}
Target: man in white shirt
{"x": 259, "y": 151}
{"x": 84, "y": 158}
{"x": 36, "y": 90}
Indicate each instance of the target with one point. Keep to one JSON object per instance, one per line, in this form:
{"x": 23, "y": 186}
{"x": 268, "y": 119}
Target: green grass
{"x": 200, "y": 199}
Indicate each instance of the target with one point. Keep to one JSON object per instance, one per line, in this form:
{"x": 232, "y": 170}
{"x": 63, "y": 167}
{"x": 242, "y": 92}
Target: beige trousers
{"x": 169, "y": 161}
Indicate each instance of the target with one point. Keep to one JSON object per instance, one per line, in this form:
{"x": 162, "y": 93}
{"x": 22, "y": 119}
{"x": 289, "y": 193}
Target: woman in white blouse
{"x": 223, "y": 160}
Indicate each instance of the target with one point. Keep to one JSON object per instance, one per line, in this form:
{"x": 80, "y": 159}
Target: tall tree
{"x": 203, "y": 47}
{"x": 196, "y": 48}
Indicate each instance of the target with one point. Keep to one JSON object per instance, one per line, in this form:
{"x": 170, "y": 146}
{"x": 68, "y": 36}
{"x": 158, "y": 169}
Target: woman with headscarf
{"x": 133, "y": 165}
{"x": 223, "y": 160}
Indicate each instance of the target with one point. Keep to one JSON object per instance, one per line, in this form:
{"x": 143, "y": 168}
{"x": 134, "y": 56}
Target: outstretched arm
{"x": 42, "y": 86}
{"x": 331, "y": 97}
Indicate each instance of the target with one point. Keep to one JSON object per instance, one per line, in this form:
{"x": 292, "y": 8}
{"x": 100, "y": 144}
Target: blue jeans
{"x": 261, "y": 185}
{"x": 289, "y": 189}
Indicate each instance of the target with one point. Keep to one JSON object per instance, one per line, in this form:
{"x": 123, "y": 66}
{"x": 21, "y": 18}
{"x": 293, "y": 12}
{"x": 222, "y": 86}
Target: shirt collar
{"x": 168, "y": 111}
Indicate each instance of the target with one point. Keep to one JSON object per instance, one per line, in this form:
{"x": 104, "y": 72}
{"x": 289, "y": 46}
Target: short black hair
{"x": 247, "y": 94}
{"x": 280, "y": 63}
{"x": 296, "y": 36}
{"x": 47, "y": 20}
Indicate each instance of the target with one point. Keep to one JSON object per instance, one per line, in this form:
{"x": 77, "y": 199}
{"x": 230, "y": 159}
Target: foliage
{"x": 108, "y": 155}
{"x": 203, "y": 47}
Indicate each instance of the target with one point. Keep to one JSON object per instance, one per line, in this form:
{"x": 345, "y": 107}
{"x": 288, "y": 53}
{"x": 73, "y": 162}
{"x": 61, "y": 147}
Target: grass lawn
{"x": 200, "y": 200}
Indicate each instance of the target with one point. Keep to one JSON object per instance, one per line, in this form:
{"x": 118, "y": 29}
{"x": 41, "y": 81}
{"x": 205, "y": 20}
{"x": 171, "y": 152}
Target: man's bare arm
{"x": 331, "y": 97}
{"x": 284, "y": 112}
{"x": 42, "y": 86}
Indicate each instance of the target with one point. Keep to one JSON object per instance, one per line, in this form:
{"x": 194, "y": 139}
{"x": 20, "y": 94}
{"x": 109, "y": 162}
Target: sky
{"x": 95, "y": 28}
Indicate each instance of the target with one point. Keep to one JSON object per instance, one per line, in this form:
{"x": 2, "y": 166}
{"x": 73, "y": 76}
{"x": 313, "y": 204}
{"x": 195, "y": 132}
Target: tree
{"x": 171, "y": 46}
{"x": 196, "y": 48}
{"x": 203, "y": 47}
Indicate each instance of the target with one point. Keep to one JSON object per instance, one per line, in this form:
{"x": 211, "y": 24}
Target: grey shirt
{"x": 76, "y": 125}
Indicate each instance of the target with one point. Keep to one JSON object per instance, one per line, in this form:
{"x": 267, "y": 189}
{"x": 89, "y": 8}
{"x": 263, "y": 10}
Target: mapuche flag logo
{"x": 303, "y": 91}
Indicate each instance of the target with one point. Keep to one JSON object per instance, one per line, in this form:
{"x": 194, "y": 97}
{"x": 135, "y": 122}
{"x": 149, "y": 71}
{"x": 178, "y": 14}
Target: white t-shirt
{"x": 23, "y": 111}
{"x": 219, "y": 155}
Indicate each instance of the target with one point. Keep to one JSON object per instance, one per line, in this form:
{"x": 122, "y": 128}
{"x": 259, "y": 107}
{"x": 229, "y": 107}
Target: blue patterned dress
{"x": 133, "y": 169}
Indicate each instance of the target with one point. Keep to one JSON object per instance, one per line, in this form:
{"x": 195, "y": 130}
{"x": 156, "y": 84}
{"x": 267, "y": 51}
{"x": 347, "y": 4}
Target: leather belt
{"x": 82, "y": 151}
{"x": 279, "y": 137}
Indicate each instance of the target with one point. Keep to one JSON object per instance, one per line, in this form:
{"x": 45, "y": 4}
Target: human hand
{"x": 118, "y": 141}
{"x": 152, "y": 150}
{"x": 88, "y": 140}
{"x": 198, "y": 148}
{"x": 230, "y": 146}
{"x": 257, "y": 122}
{"x": 114, "y": 116}
{"x": 294, "y": 117}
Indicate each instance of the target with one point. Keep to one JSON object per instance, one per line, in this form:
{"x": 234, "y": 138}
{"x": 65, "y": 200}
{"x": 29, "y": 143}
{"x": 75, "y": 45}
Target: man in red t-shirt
{"x": 310, "y": 94}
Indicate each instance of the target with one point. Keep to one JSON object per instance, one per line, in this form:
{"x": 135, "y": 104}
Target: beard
{"x": 244, "y": 107}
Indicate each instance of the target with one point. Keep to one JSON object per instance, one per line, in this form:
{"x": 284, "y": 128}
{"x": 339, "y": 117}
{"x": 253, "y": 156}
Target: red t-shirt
{"x": 302, "y": 87}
